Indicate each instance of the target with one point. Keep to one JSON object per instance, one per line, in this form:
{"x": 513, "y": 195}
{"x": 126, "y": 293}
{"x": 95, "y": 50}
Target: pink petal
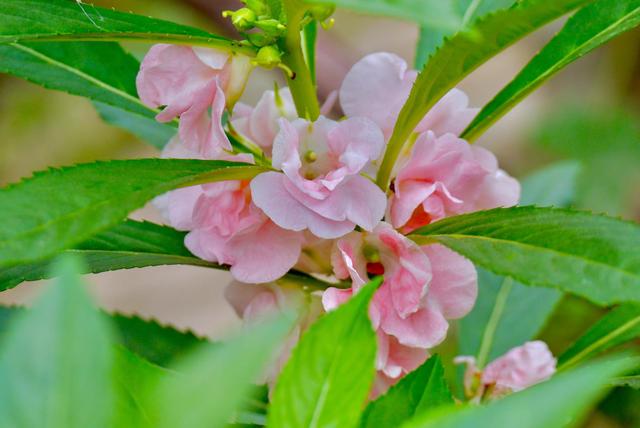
{"x": 450, "y": 115}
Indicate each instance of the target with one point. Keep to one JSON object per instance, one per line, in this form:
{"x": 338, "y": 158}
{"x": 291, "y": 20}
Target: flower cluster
{"x": 318, "y": 209}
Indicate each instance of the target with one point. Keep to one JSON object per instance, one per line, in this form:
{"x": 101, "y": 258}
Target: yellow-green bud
{"x": 322, "y": 12}
{"x": 261, "y": 39}
{"x": 271, "y": 27}
{"x": 268, "y": 56}
{"x": 258, "y": 6}
{"x": 243, "y": 19}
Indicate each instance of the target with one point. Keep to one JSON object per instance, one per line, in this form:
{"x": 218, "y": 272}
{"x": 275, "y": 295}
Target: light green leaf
{"x": 496, "y": 324}
{"x": 59, "y": 208}
{"x": 592, "y": 256}
{"x": 557, "y": 403}
{"x": 56, "y": 361}
{"x": 459, "y": 56}
{"x": 618, "y": 326}
{"x": 209, "y": 386}
{"x": 419, "y": 392}
{"x": 330, "y": 372}
{"x": 588, "y": 29}
{"x": 66, "y": 20}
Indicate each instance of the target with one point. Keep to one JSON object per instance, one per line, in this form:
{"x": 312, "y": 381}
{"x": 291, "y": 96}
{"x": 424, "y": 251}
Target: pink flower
{"x": 518, "y": 369}
{"x": 255, "y": 303}
{"x": 378, "y": 86}
{"x": 320, "y": 187}
{"x": 423, "y": 289}
{"x": 446, "y": 176}
{"x": 189, "y": 82}
{"x": 226, "y": 227}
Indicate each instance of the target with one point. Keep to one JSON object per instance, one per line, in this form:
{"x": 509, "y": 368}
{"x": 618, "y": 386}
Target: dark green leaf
{"x": 56, "y": 361}
{"x": 330, "y": 372}
{"x": 209, "y": 386}
{"x": 68, "y": 20}
{"x": 59, "y": 208}
{"x": 558, "y": 403}
{"x": 588, "y": 29}
{"x": 593, "y": 256}
{"x": 459, "y": 56}
{"x": 618, "y": 326}
{"x": 419, "y": 392}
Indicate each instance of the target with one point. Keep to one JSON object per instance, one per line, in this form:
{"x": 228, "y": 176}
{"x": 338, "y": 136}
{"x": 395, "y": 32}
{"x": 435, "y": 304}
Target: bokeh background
{"x": 589, "y": 113}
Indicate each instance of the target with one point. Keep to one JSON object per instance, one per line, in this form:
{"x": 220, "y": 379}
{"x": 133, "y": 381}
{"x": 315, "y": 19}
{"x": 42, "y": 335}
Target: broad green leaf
{"x": 210, "y": 385}
{"x": 59, "y": 208}
{"x": 618, "y": 326}
{"x": 592, "y": 256}
{"x": 144, "y": 127}
{"x": 67, "y": 20}
{"x": 330, "y": 372}
{"x": 468, "y": 11}
{"x": 56, "y": 360}
{"x": 557, "y": 403}
{"x": 434, "y": 13}
{"x": 102, "y": 72}
{"x": 496, "y": 324}
{"x": 131, "y": 244}
{"x": 417, "y": 393}
{"x": 459, "y": 56}
{"x": 588, "y": 29}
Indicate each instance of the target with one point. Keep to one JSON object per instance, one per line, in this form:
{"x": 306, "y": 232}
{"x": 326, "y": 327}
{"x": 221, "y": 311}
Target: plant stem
{"x": 302, "y": 88}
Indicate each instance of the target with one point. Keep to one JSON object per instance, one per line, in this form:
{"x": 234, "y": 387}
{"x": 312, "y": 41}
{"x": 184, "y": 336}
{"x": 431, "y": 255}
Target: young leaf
{"x": 330, "y": 372}
{"x": 210, "y": 385}
{"x": 459, "y": 56}
{"x": 589, "y": 28}
{"x": 59, "y": 208}
{"x": 618, "y": 326}
{"x": 56, "y": 361}
{"x": 64, "y": 20}
{"x": 419, "y": 392}
{"x": 557, "y": 403}
{"x": 496, "y": 323}
{"x": 593, "y": 256}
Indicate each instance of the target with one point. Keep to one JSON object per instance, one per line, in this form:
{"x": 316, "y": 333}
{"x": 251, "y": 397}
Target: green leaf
{"x": 459, "y": 56}
{"x": 496, "y": 324}
{"x": 592, "y": 256}
{"x": 557, "y": 403}
{"x": 628, "y": 381}
{"x": 468, "y": 11}
{"x": 59, "y": 208}
{"x": 66, "y": 20}
{"x": 417, "y": 393}
{"x": 617, "y": 327}
{"x": 131, "y": 244}
{"x": 144, "y": 127}
{"x": 56, "y": 360}
{"x": 588, "y": 29}
{"x": 330, "y": 372}
{"x": 209, "y": 386}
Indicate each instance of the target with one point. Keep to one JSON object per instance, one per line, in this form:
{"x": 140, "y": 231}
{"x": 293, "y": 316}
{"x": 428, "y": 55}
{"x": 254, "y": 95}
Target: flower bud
{"x": 271, "y": 27}
{"x": 322, "y": 12}
{"x": 261, "y": 39}
{"x": 243, "y": 19}
{"x": 268, "y": 56}
{"x": 258, "y": 6}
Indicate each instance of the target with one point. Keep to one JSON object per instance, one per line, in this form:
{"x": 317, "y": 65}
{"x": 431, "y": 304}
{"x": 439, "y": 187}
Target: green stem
{"x": 302, "y": 88}
{"x": 494, "y": 320}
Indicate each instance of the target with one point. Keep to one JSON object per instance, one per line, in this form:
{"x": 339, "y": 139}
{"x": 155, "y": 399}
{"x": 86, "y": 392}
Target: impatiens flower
{"x": 518, "y": 369}
{"x": 188, "y": 82}
{"x": 225, "y": 227}
{"x": 320, "y": 187}
{"x": 378, "y": 86}
{"x": 255, "y": 303}
{"x": 447, "y": 176}
{"x": 423, "y": 288}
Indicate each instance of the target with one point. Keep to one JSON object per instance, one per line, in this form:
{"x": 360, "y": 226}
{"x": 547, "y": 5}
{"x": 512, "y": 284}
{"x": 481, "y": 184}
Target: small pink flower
{"x": 423, "y": 288}
{"x": 446, "y": 176}
{"x": 378, "y": 86}
{"x": 320, "y": 187}
{"x": 189, "y": 82}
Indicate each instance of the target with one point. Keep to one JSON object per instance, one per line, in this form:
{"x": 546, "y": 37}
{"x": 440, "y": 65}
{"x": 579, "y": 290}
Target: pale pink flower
{"x": 225, "y": 227}
{"x": 320, "y": 187}
{"x": 423, "y": 289}
{"x": 255, "y": 303}
{"x": 446, "y": 176}
{"x": 378, "y": 86}
{"x": 188, "y": 82}
{"x": 518, "y": 369}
